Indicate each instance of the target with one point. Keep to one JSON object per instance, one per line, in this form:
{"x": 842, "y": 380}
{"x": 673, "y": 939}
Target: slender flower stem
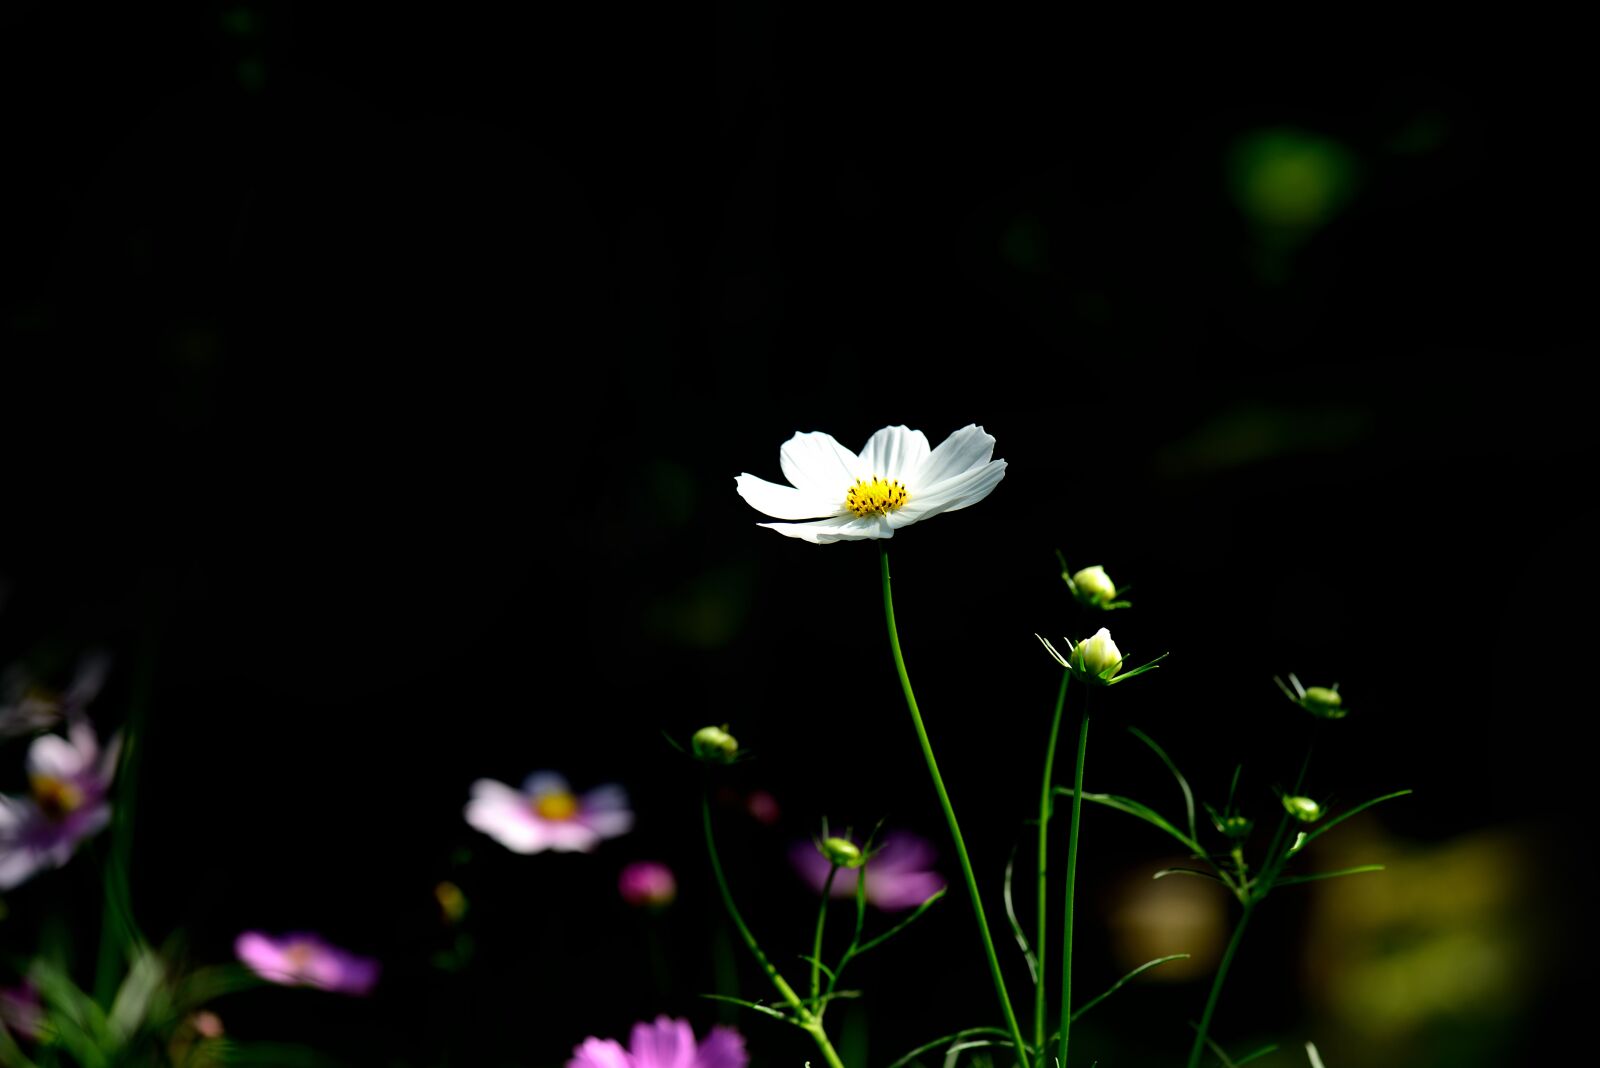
{"x": 1072, "y": 879}
{"x": 1199, "y": 1046}
{"x": 950, "y": 818}
{"x": 816, "y": 941}
{"x": 808, "y": 1022}
{"x": 1046, "y": 803}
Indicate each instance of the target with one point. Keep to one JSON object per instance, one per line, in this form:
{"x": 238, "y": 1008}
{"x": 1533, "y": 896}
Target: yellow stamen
{"x": 558, "y": 806}
{"x": 55, "y": 797}
{"x": 876, "y": 496}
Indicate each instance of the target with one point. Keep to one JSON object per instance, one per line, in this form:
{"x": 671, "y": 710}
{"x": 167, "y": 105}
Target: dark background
{"x": 381, "y": 378}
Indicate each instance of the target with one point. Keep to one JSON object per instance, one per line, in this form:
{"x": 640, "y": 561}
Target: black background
{"x": 383, "y": 375}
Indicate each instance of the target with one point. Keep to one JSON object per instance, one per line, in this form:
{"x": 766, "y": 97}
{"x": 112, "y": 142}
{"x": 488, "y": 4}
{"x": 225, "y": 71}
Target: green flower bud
{"x": 1302, "y": 808}
{"x": 1235, "y": 827}
{"x": 1093, "y": 584}
{"x": 1321, "y": 701}
{"x": 715, "y": 744}
{"x": 1097, "y": 656}
{"x": 842, "y": 852}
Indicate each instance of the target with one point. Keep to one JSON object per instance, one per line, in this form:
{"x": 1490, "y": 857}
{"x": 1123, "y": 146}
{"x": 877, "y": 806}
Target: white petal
{"x": 52, "y": 755}
{"x": 952, "y": 494}
{"x": 509, "y": 823}
{"x": 570, "y": 836}
{"x": 828, "y": 531}
{"x": 784, "y": 502}
{"x": 893, "y": 453}
{"x": 968, "y": 448}
{"x": 817, "y": 464}
{"x": 17, "y": 866}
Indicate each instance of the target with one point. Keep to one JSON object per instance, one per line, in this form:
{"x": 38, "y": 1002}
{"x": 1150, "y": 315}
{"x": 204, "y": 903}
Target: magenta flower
{"x": 21, "y": 1011}
{"x": 647, "y": 884}
{"x": 306, "y": 960}
{"x": 897, "y": 872}
{"x": 546, "y": 814}
{"x": 70, "y": 779}
{"x": 667, "y": 1043}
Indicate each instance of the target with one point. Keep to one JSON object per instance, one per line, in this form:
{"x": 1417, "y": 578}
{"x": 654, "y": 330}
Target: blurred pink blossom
{"x": 898, "y": 874}
{"x": 306, "y": 960}
{"x": 667, "y": 1043}
{"x": 647, "y": 884}
{"x": 70, "y": 779}
{"x": 545, "y": 814}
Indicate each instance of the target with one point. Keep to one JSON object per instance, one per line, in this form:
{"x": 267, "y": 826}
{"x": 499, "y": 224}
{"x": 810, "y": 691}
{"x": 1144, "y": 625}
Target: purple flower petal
{"x": 599, "y": 1053}
{"x": 667, "y": 1043}
{"x": 723, "y": 1048}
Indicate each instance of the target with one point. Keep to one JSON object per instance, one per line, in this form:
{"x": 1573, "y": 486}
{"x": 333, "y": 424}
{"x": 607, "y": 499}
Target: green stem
{"x": 1046, "y": 803}
{"x": 950, "y": 817}
{"x": 807, "y": 1021}
{"x": 816, "y": 941}
{"x": 1198, "y": 1049}
{"x": 1072, "y": 879}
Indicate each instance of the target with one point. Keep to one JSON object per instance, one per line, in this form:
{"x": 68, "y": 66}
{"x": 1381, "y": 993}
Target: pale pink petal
{"x": 599, "y": 1053}
{"x": 17, "y": 865}
{"x": 503, "y": 814}
{"x": 569, "y": 836}
{"x": 902, "y": 851}
{"x": 892, "y": 891}
{"x": 723, "y": 1048}
{"x": 261, "y": 955}
{"x": 53, "y": 756}
{"x": 667, "y": 1043}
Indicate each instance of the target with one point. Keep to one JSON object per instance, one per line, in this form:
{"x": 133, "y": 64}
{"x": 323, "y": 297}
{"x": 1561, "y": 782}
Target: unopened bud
{"x": 1321, "y": 701}
{"x": 1302, "y": 808}
{"x": 1235, "y": 827}
{"x": 841, "y": 852}
{"x": 452, "y": 902}
{"x": 1097, "y": 656}
{"x": 647, "y": 884}
{"x": 1094, "y": 586}
{"x": 715, "y": 744}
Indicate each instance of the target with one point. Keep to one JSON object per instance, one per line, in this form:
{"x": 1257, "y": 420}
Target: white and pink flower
{"x": 667, "y": 1043}
{"x": 70, "y": 783}
{"x": 306, "y": 960}
{"x": 546, "y": 814}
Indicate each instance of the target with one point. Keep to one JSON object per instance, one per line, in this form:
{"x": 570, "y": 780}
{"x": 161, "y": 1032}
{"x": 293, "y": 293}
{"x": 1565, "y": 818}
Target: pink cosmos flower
{"x": 70, "y": 780}
{"x": 546, "y": 814}
{"x": 647, "y": 884}
{"x": 306, "y": 960}
{"x": 897, "y": 872}
{"x": 667, "y": 1043}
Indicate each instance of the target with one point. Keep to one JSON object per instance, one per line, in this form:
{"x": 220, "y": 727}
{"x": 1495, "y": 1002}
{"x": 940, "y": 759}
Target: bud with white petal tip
{"x": 1097, "y": 656}
{"x": 1091, "y": 586}
{"x": 1303, "y": 809}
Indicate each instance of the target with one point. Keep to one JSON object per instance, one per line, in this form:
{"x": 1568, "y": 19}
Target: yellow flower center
{"x": 299, "y": 955}
{"x": 55, "y": 797}
{"x": 876, "y": 496}
{"x": 558, "y": 806}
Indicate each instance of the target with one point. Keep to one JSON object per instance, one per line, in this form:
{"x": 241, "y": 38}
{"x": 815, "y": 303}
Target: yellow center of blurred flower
{"x": 876, "y": 496}
{"x": 298, "y": 955}
{"x": 55, "y": 797}
{"x": 557, "y": 806}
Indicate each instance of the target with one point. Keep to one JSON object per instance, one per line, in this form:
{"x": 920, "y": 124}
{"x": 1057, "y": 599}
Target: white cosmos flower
{"x": 895, "y": 481}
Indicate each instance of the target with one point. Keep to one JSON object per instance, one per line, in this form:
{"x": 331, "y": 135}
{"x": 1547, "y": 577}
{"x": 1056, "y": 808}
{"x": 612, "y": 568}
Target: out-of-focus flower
{"x": 647, "y": 884}
{"x": 897, "y": 874}
{"x": 21, "y": 1011}
{"x": 896, "y": 481}
{"x": 715, "y": 744}
{"x": 841, "y": 852}
{"x": 763, "y": 807}
{"x": 1323, "y": 702}
{"x": 546, "y": 814}
{"x": 306, "y": 960}
{"x": 451, "y": 901}
{"x": 667, "y": 1043}
{"x": 70, "y": 778}
{"x": 28, "y": 706}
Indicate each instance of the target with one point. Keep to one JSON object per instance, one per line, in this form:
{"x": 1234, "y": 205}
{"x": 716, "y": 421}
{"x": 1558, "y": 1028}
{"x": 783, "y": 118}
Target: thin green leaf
{"x": 1257, "y": 1055}
{"x": 1183, "y": 784}
{"x": 1016, "y": 926}
{"x": 1140, "y": 670}
{"x": 956, "y": 1036}
{"x": 1164, "y": 872}
{"x": 1143, "y": 811}
{"x": 1313, "y": 1056}
{"x": 1146, "y": 966}
{"x": 902, "y": 925}
{"x": 1293, "y": 879}
{"x": 270, "y": 1055}
{"x": 757, "y": 1006}
{"x": 1331, "y": 824}
{"x": 1221, "y": 1053}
